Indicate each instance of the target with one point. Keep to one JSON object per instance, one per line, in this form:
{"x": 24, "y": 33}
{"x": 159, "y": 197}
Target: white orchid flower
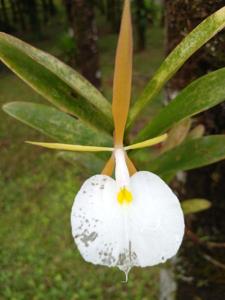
{"x": 126, "y": 222}
{"x": 134, "y": 219}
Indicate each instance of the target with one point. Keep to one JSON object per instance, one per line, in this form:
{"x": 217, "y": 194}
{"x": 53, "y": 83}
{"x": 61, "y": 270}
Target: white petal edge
{"x": 144, "y": 233}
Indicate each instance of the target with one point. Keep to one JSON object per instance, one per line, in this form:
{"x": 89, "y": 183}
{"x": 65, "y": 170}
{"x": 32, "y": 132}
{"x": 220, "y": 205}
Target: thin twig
{"x": 214, "y": 261}
{"x": 192, "y": 236}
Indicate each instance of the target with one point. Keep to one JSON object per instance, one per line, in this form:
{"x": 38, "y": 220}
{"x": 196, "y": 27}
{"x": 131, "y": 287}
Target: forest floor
{"x": 38, "y": 258}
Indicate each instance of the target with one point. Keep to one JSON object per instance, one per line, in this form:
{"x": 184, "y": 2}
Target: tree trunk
{"x": 113, "y": 14}
{"x": 31, "y": 10}
{"x": 14, "y": 12}
{"x": 181, "y": 18}
{"x": 4, "y": 12}
{"x": 21, "y": 14}
{"x": 100, "y": 4}
{"x": 45, "y": 10}
{"x": 202, "y": 268}
{"x": 51, "y": 7}
{"x": 141, "y": 23}
{"x": 68, "y": 7}
{"x": 85, "y": 30}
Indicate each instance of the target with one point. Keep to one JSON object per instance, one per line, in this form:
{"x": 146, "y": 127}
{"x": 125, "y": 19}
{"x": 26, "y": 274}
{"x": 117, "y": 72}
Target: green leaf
{"x": 189, "y": 45}
{"x": 56, "y": 124}
{"x": 75, "y": 80}
{"x": 56, "y": 82}
{"x": 200, "y": 95}
{"x": 191, "y": 154}
{"x": 70, "y": 147}
{"x": 192, "y": 206}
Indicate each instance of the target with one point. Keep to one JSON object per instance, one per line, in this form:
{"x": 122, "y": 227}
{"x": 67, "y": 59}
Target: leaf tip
{"x": 7, "y": 107}
{"x": 31, "y": 143}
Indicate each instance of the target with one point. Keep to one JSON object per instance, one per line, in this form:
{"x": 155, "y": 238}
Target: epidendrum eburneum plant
{"x": 134, "y": 220}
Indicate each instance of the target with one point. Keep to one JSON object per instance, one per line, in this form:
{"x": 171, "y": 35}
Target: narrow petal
{"x": 147, "y": 143}
{"x": 109, "y": 166}
{"x": 122, "y": 75}
{"x": 68, "y": 147}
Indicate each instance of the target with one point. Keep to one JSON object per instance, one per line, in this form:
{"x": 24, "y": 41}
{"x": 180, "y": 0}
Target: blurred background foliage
{"x": 38, "y": 259}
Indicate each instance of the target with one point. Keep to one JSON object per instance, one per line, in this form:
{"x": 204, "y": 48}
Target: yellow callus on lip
{"x": 124, "y": 196}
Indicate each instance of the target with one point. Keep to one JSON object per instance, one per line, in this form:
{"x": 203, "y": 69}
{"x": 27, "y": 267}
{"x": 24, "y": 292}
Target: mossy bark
{"x": 183, "y": 16}
{"x": 202, "y": 267}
